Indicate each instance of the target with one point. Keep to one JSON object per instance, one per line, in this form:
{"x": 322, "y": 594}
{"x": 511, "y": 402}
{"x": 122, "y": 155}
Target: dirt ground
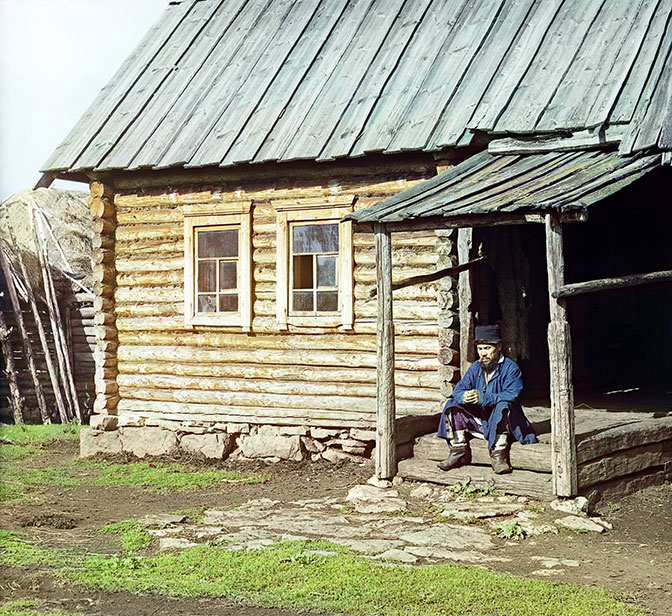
{"x": 633, "y": 558}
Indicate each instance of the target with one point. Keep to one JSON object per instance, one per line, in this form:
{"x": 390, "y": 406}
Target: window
{"x": 217, "y": 281}
{"x": 314, "y": 265}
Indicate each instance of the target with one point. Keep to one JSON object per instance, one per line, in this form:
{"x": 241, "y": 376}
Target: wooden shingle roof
{"x": 224, "y": 82}
{"x": 492, "y": 185}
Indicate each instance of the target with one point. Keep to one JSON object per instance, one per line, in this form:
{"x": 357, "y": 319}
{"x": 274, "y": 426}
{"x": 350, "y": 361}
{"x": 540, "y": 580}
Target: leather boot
{"x": 460, "y": 455}
{"x": 500, "y": 461}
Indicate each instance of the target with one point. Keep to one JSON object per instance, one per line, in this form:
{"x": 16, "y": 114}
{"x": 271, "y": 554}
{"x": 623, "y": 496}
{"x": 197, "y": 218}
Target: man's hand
{"x": 471, "y": 396}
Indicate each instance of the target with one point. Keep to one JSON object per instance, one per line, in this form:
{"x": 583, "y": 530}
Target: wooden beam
{"x": 619, "y": 282}
{"x": 442, "y": 273}
{"x": 27, "y": 348}
{"x": 16, "y": 400}
{"x": 431, "y": 223}
{"x": 464, "y": 293}
{"x": 386, "y": 459}
{"x": 563, "y": 442}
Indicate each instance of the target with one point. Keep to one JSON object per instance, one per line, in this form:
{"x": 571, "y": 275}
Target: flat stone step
{"x": 520, "y": 482}
{"x": 536, "y": 457}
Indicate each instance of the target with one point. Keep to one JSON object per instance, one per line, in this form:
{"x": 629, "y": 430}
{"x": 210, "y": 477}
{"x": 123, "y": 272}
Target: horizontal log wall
{"x": 305, "y": 375}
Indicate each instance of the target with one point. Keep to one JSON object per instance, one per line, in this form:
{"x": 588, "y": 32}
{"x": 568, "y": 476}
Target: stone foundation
{"x": 144, "y": 437}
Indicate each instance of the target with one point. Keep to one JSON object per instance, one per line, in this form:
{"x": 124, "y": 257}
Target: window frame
{"x": 290, "y": 213}
{"x": 238, "y": 217}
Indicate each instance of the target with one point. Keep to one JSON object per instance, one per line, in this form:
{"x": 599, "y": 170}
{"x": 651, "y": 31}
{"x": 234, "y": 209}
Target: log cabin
{"x": 301, "y": 207}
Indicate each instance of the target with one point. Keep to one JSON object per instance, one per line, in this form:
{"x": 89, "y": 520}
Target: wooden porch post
{"x": 464, "y": 244}
{"x": 386, "y": 454}
{"x": 563, "y": 443}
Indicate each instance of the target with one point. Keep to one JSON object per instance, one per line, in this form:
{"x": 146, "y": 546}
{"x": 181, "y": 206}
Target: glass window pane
{"x": 221, "y": 243}
{"x": 326, "y": 271}
{"x": 228, "y": 275}
{"x": 207, "y": 276}
{"x": 303, "y": 272}
{"x": 228, "y": 302}
{"x": 207, "y": 303}
{"x": 315, "y": 238}
{"x": 302, "y": 301}
{"x": 327, "y": 301}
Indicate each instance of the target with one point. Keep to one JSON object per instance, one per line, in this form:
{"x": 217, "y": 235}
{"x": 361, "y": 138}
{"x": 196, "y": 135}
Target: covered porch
{"x": 583, "y": 446}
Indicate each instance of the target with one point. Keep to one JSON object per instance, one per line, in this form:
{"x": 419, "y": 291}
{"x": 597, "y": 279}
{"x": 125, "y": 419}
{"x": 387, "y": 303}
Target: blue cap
{"x": 487, "y": 333}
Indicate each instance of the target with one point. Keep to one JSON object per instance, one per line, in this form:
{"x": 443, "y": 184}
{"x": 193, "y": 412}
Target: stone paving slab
{"x": 370, "y": 521}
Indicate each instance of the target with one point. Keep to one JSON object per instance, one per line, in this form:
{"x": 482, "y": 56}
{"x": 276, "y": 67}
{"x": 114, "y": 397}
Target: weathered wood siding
{"x": 303, "y": 376}
{"x": 80, "y": 341}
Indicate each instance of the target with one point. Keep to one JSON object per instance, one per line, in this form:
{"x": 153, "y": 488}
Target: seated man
{"x": 485, "y": 404}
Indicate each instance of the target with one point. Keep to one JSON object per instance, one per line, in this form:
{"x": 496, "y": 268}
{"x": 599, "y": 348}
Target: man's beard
{"x": 491, "y": 366}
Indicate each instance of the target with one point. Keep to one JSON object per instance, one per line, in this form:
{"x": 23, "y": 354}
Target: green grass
{"x": 21, "y": 485}
{"x": 39, "y": 435}
{"x": 17, "y": 442}
{"x": 509, "y": 530}
{"x": 321, "y": 577}
{"x": 132, "y": 535}
{"x": 153, "y": 477}
{"x": 15, "y": 552}
{"x": 303, "y": 576}
{"x": 31, "y": 607}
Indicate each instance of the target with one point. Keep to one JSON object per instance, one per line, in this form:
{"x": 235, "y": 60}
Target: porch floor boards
{"x": 617, "y": 453}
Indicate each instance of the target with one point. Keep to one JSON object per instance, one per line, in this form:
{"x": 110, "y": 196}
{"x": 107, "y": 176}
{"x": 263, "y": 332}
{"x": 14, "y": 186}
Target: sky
{"x": 55, "y": 56}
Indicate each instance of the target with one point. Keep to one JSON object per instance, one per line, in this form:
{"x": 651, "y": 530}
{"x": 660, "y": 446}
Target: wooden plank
{"x": 206, "y": 410}
{"x": 619, "y": 282}
{"x": 615, "y": 489}
{"x": 626, "y": 103}
{"x": 563, "y": 440}
{"x": 285, "y": 83}
{"x": 359, "y": 107}
{"x": 581, "y": 86}
{"x": 179, "y": 123}
{"x": 16, "y": 400}
{"x": 263, "y": 383}
{"x": 623, "y": 65}
{"x": 420, "y": 363}
{"x": 386, "y": 462}
{"x": 314, "y": 81}
{"x": 515, "y": 64}
{"x": 619, "y": 437}
{"x": 464, "y": 294}
{"x": 548, "y": 68}
{"x": 485, "y": 65}
{"x": 414, "y": 65}
{"x": 250, "y": 90}
{"x": 653, "y": 100}
{"x": 625, "y": 462}
{"x": 174, "y": 86}
{"x": 145, "y": 85}
{"x": 535, "y": 457}
{"x": 449, "y": 271}
{"x": 224, "y": 415}
{"x": 326, "y": 110}
{"x": 519, "y": 482}
{"x": 327, "y": 374}
{"x": 124, "y": 80}
{"x": 452, "y": 62}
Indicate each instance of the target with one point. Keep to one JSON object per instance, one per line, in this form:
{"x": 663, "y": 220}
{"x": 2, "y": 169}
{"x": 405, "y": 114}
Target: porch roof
{"x": 498, "y": 185}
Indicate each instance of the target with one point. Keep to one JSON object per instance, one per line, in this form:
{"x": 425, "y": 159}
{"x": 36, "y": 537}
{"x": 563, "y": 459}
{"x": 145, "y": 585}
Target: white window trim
{"x": 292, "y": 211}
{"x": 233, "y": 215}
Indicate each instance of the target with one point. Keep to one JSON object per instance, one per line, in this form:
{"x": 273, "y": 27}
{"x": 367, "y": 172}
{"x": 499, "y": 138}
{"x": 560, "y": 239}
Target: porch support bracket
{"x": 563, "y": 442}
{"x": 386, "y": 454}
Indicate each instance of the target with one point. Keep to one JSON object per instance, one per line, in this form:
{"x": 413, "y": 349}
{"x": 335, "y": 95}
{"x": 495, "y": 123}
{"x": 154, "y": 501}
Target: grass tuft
{"x": 326, "y": 578}
{"x": 31, "y": 607}
{"x": 152, "y": 477}
{"x": 132, "y": 535}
